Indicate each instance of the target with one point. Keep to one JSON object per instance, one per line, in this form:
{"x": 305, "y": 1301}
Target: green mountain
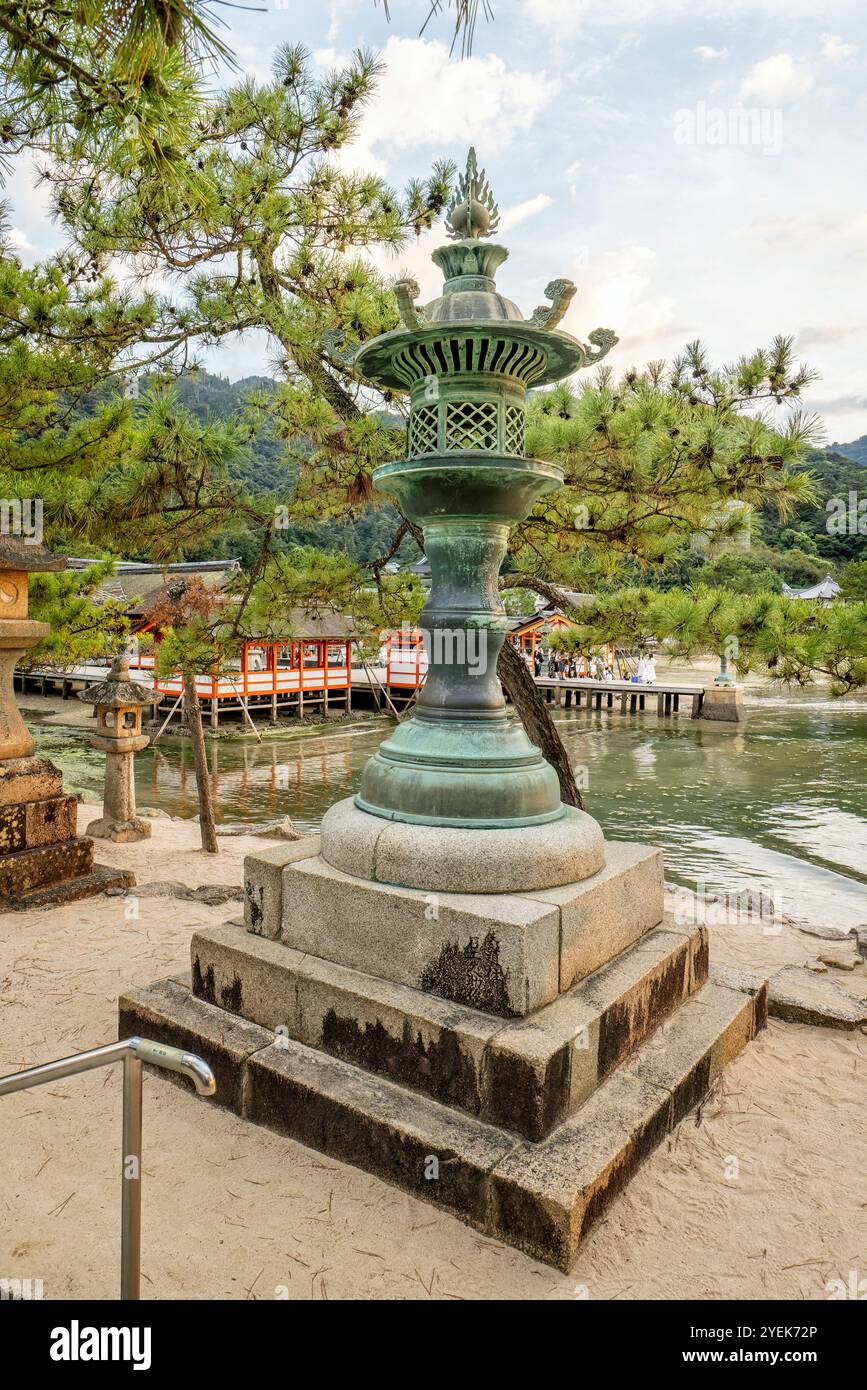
{"x": 857, "y": 450}
{"x": 266, "y": 468}
{"x": 798, "y": 550}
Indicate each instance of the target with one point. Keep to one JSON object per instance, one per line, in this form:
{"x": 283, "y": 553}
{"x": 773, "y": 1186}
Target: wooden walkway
{"x": 627, "y": 696}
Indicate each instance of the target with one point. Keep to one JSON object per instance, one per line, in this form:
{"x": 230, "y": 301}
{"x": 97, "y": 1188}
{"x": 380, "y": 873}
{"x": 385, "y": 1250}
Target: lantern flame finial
{"x": 472, "y": 212}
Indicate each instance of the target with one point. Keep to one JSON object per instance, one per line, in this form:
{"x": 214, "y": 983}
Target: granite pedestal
{"x": 510, "y": 1056}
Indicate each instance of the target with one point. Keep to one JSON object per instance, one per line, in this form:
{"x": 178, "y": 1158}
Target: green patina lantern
{"x": 467, "y": 361}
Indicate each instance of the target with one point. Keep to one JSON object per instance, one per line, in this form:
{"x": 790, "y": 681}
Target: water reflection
{"x": 782, "y": 798}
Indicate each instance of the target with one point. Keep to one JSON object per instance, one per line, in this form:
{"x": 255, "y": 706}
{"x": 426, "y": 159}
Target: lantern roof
{"x": 432, "y": 337}
{"x": 117, "y": 691}
{"x": 20, "y": 553}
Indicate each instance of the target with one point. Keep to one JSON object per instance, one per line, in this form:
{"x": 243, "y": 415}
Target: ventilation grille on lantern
{"x": 471, "y": 425}
{"x": 448, "y": 356}
{"x": 423, "y": 431}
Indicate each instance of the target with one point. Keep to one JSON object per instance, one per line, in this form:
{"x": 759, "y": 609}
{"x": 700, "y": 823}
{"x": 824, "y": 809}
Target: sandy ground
{"x": 233, "y": 1211}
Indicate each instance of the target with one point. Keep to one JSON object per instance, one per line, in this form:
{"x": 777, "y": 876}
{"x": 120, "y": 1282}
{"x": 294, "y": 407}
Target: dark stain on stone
{"x": 384, "y": 1144}
{"x": 525, "y": 1220}
{"x": 615, "y": 1031}
{"x": 645, "y": 1139}
{"x": 204, "y": 986}
{"x": 692, "y": 1089}
{"x": 626, "y": 1024}
{"x": 760, "y": 1008}
{"x": 470, "y": 974}
{"x": 440, "y": 1068}
{"x": 701, "y": 961}
{"x": 254, "y": 903}
{"x": 524, "y": 1099}
{"x": 230, "y": 995}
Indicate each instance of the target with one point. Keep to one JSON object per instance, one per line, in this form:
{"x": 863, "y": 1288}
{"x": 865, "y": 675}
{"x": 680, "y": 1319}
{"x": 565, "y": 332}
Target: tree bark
{"x": 538, "y": 724}
{"x": 193, "y": 715}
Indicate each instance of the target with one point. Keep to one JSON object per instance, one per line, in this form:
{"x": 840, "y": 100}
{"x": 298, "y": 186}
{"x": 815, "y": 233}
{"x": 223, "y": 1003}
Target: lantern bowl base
{"x": 443, "y": 859}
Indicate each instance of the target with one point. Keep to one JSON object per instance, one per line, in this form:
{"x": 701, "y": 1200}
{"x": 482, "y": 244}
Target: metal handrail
{"x": 133, "y": 1052}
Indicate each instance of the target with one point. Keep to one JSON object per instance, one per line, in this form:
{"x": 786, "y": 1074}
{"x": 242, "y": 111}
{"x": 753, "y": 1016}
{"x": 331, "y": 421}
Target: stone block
{"x": 796, "y": 996}
{"x": 254, "y": 977}
{"x": 546, "y": 1066}
{"x": 748, "y": 982}
{"x": 545, "y": 1197}
{"x": 28, "y": 779}
{"x": 263, "y": 883}
{"x": 724, "y": 704}
{"x": 28, "y": 869}
{"x": 609, "y": 912}
{"x": 541, "y": 1197}
{"x": 34, "y": 823}
{"x": 12, "y": 828}
{"x": 429, "y": 1150}
{"x": 166, "y": 1012}
{"x": 498, "y": 953}
{"x": 50, "y": 820}
{"x": 686, "y": 1056}
{"x": 99, "y": 879}
{"x": 418, "y": 1039}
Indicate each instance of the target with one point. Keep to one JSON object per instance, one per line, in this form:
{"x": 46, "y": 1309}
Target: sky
{"x": 697, "y": 169}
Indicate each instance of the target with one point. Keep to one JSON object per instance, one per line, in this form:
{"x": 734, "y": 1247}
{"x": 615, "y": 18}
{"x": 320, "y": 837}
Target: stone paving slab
{"x": 796, "y": 996}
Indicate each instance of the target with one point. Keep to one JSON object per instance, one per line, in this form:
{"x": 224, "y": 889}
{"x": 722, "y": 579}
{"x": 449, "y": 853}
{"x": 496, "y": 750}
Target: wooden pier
{"x": 627, "y": 696}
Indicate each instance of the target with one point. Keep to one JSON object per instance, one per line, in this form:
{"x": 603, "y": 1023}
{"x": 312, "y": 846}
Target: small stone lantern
{"x": 118, "y": 702}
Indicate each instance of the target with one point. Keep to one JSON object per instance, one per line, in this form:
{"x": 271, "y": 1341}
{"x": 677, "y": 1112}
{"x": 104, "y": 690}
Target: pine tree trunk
{"x": 533, "y": 714}
{"x": 193, "y": 715}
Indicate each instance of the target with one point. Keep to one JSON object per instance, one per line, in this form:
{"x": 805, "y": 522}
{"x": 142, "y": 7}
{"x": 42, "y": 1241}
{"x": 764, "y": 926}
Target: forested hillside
{"x": 797, "y": 550}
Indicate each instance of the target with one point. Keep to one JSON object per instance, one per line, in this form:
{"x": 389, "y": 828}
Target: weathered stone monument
{"x": 43, "y": 860}
{"x": 118, "y": 702}
{"x": 463, "y": 987}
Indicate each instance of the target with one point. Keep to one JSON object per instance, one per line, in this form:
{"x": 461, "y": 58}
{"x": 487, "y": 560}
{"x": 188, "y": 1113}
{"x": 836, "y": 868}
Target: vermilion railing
{"x": 269, "y": 668}
{"x": 406, "y": 664}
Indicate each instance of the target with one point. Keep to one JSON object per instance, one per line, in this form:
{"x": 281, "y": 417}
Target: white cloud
{"x": 835, "y": 49}
{"x": 777, "y": 80}
{"x": 710, "y": 55}
{"x": 510, "y": 217}
{"x": 424, "y": 98}
{"x": 22, "y": 246}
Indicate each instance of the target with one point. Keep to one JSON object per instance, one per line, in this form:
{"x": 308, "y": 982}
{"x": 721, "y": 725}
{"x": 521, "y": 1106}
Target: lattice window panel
{"x": 423, "y": 431}
{"x": 513, "y": 440}
{"x": 471, "y": 425}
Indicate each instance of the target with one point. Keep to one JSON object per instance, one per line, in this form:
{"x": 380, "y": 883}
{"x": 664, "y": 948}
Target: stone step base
{"x": 29, "y": 824}
{"x": 99, "y": 878}
{"x": 541, "y": 1197}
{"x": 501, "y": 953}
{"x": 526, "y": 1075}
{"x": 28, "y": 779}
{"x": 27, "y": 869}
